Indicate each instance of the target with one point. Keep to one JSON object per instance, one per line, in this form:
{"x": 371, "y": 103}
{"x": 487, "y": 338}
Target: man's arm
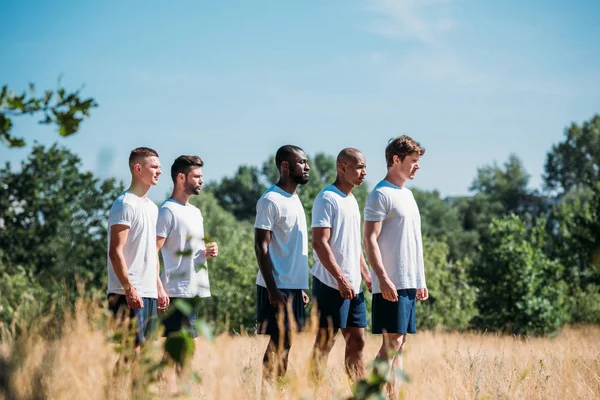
{"x": 118, "y": 237}
{"x": 364, "y": 271}
{"x": 372, "y": 232}
{"x": 262, "y": 239}
{"x": 320, "y": 239}
{"x": 163, "y": 298}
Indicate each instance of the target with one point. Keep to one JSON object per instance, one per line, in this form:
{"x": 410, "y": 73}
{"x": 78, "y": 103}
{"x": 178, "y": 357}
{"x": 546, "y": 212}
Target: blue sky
{"x": 231, "y": 81}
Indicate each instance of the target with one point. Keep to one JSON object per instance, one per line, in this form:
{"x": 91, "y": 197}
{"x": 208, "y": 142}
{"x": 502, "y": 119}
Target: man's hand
{"x": 422, "y": 294}
{"x": 134, "y": 300}
{"x": 305, "y": 298}
{"x": 277, "y": 298}
{"x": 346, "y": 290}
{"x": 368, "y": 282}
{"x": 212, "y": 250}
{"x": 388, "y": 290}
{"x": 163, "y": 299}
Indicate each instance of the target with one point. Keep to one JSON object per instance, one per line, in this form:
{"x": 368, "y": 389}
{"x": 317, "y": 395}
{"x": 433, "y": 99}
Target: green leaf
{"x": 180, "y": 347}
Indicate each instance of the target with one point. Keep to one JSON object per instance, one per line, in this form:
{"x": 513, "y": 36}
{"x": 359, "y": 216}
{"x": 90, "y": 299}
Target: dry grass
{"x": 440, "y": 366}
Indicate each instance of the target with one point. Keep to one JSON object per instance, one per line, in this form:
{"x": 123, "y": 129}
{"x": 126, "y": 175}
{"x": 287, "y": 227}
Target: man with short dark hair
{"x": 281, "y": 246}
{"x": 133, "y": 284}
{"x": 339, "y": 266}
{"x": 180, "y": 238}
{"x": 393, "y": 243}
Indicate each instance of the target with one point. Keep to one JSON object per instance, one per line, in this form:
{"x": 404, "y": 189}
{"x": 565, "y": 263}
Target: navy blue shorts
{"x": 175, "y": 320}
{"x": 146, "y": 318}
{"x": 336, "y": 312}
{"x": 395, "y": 316}
{"x": 266, "y": 314}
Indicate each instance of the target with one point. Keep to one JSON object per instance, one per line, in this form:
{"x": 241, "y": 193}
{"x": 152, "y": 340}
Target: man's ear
{"x": 285, "y": 164}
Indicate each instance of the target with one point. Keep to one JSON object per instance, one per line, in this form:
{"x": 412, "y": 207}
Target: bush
{"x": 451, "y": 302}
{"x": 520, "y": 289}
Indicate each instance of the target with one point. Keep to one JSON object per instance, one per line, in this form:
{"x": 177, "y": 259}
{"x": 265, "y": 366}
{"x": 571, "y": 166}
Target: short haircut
{"x": 139, "y": 154}
{"x": 284, "y": 153}
{"x": 348, "y": 154}
{"x": 183, "y": 165}
{"x": 402, "y": 146}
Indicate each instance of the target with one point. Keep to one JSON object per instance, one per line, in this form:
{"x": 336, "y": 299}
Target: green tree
{"x": 64, "y": 109}
{"x": 233, "y": 273}
{"x": 451, "y": 302}
{"x": 53, "y": 217}
{"x": 440, "y": 221}
{"x": 520, "y": 288}
{"x": 239, "y": 194}
{"x": 576, "y": 160}
{"x": 577, "y": 245}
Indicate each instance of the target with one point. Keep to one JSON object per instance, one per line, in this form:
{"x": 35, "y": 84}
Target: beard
{"x": 190, "y": 188}
{"x": 298, "y": 178}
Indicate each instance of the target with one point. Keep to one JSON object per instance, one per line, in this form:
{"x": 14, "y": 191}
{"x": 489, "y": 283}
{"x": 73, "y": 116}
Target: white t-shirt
{"x": 338, "y": 211}
{"x": 140, "y": 215}
{"x": 400, "y": 239}
{"x": 185, "y": 271}
{"x": 283, "y": 214}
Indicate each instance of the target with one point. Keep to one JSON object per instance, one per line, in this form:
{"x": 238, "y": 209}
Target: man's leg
{"x": 332, "y": 309}
{"x": 355, "y": 344}
{"x": 323, "y": 344}
{"x": 275, "y": 360}
{"x": 391, "y": 353}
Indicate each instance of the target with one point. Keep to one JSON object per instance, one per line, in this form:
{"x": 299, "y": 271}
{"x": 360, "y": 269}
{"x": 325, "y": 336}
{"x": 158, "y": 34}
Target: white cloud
{"x": 418, "y": 20}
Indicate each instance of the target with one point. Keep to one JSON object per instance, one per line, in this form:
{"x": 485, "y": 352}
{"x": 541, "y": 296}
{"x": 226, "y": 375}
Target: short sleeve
{"x": 165, "y": 222}
{"x": 266, "y": 214}
{"x": 376, "y": 207}
{"x": 120, "y": 214}
{"x": 322, "y": 212}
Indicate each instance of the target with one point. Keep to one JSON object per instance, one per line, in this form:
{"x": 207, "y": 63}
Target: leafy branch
{"x": 64, "y": 109}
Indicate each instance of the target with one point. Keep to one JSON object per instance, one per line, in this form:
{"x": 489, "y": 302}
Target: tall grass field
{"x": 79, "y": 363}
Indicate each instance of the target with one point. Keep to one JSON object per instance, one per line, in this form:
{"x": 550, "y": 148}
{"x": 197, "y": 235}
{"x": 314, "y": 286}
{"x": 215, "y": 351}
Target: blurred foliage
{"x": 64, "y": 109}
{"x": 575, "y": 162}
{"x": 520, "y": 288}
{"x": 53, "y": 218}
{"x": 451, "y": 303}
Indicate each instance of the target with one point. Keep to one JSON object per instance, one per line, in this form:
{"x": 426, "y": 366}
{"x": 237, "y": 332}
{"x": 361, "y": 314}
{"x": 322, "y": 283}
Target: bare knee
{"x": 355, "y": 342}
{"x": 325, "y": 339}
{"x": 393, "y": 343}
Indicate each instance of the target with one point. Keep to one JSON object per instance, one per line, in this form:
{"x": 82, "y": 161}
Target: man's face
{"x": 298, "y": 168}
{"x": 409, "y": 166}
{"x": 355, "y": 170}
{"x": 149, "y": 170}
{"x": 193, "y": 182}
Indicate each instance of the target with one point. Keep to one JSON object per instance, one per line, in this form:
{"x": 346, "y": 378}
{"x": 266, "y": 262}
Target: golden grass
{"x": 440, "y": 366}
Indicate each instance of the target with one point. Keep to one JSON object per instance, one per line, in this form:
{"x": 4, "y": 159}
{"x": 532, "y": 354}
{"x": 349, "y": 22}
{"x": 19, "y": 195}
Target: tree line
{"x": 504, "y": 258}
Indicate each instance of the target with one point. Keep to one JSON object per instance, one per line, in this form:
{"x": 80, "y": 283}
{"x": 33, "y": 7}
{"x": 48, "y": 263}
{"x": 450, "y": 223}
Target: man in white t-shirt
{"x": 392, "y": 239}
{"x": 339, "y": 265}
{"x": 180, "y": 239}
{"x": 133, "y": 283}
{"x": 281, "y": 246}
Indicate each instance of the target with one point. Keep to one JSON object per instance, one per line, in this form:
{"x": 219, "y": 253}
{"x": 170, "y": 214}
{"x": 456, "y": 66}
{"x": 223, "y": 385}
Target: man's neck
{"x": 180, "y": 196}
{"x": 139, "y": 189}
{"x": 394, "y": 178}
{"x": 287, "y": 186}
{"x": 344, "y": 187}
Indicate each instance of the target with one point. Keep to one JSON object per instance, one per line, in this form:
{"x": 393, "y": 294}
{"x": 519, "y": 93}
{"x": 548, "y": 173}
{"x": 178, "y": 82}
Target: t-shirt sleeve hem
{"x": 321, "y": 225}
{"x": 264, "y": 227}
{"x": 120, "y": 222}
{"x": 372, "y": 218}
